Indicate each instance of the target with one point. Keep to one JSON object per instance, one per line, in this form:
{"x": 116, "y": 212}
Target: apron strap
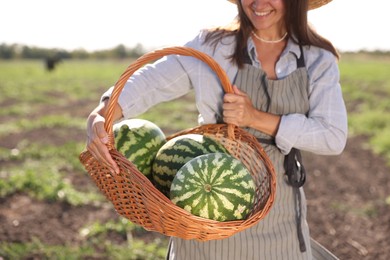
{"x": 301, "y": 239}
{"x": 296, "y": 176}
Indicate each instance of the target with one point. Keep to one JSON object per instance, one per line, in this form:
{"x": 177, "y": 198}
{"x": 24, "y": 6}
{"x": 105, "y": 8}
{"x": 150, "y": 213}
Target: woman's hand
{"x": 97, "y": 139}
{"x": 238, "y": 109}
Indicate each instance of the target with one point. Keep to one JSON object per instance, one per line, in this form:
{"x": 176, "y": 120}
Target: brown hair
{"x": 296, "y": 24}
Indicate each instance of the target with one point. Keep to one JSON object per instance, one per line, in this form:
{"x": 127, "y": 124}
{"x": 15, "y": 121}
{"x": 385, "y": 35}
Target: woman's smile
{"x": 263, "y": 13}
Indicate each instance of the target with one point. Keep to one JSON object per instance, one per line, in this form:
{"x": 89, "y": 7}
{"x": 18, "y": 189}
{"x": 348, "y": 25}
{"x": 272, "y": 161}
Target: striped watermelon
{"x": 215, "y": 186}
{"x": 175, "y": 153}
{"x": 139, "y": 141}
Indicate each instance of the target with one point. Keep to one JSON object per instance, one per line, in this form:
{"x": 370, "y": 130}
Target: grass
{"x": 35, "y": 101}
{"x": 134, "y": 251}
{"x": 47, "y": 105}
{"x": 366, "y": 87}
{"x": 40, "y": 171}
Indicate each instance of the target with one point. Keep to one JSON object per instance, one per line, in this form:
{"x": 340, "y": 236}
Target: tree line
{"x": 19, "y": 51}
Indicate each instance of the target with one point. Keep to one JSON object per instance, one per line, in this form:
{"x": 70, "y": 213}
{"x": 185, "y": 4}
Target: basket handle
{"x": 151, "y": 56}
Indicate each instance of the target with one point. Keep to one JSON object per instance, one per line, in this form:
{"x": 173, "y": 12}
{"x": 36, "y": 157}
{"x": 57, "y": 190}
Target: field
{"x": 50, "y": 208}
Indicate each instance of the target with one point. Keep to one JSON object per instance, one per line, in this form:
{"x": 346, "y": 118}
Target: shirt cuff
{"x": 106, "y": 95}
{"x": 288, "y": 132}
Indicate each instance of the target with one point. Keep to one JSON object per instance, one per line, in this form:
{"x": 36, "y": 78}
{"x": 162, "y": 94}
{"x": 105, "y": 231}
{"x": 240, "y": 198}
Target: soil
{"x": 347, "y": 210}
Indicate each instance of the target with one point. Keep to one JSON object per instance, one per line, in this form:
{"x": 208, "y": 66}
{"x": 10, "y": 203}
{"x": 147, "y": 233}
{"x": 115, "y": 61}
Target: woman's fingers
{"x": 101, "y": 132}
{"x": 97, "y": 145}
{"x": 233, "y": 109}
{"x": 236, "y": 108}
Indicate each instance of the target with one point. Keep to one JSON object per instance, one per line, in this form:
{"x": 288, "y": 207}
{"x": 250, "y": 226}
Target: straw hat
{"x": 313, "y": 4}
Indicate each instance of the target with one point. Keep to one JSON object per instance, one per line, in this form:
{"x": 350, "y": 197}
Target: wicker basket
{"x": 134, "y": 196}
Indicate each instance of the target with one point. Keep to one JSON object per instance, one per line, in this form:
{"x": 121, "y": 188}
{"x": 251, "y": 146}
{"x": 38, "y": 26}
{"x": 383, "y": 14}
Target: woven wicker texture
{"x": 134, "y": 196}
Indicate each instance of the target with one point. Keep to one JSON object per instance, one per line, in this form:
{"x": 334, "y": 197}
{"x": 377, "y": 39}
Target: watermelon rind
{"x": 139, "y": 141}
{"x": 176, "y": 152}
{"x": 214, "y": 186}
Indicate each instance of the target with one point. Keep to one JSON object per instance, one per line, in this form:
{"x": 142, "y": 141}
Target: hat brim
{"x": 313, "y": 4}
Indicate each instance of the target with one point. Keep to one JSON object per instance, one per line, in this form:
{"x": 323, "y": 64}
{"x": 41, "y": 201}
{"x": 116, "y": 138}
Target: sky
{"x": 351, "y": 25}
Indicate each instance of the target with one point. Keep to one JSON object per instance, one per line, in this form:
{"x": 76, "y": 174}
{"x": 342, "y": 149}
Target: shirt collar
{"x": 291, "y": 47}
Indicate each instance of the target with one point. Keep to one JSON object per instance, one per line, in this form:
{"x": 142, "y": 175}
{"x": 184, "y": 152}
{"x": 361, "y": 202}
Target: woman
{"x": 286, "y": 93}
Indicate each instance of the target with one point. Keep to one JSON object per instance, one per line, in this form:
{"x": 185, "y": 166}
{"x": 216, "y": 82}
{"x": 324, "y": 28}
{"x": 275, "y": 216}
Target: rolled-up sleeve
{"x": 324, "y": 129}
{"x": 164, "y": 80}
{"x": 173, "y": 76}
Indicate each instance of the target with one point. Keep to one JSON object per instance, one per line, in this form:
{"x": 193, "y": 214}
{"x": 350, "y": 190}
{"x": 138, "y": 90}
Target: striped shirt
{"x": 322, "y": 131}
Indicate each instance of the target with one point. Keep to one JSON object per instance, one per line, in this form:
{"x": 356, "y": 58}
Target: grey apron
{"x": 283, "y": 96}
{"x": 283, "y": 233}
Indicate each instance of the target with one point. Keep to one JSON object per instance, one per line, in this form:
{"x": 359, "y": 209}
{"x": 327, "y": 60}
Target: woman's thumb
{"x": 237, "y": 91}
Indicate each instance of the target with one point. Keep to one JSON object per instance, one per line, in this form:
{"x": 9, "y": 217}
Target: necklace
{"x": 269, "y": 41}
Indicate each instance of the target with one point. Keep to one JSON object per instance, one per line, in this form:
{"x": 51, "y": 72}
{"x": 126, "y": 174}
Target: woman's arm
{"x": 324, "y": 130}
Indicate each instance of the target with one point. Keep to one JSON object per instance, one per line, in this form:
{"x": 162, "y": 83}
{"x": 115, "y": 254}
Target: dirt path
{"x": 346, "y": 202}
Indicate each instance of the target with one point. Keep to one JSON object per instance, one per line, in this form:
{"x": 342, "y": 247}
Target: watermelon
{"x": 214, "y": 186}
{"x": 176, "y": 152}
{"x": 139, "y": 141}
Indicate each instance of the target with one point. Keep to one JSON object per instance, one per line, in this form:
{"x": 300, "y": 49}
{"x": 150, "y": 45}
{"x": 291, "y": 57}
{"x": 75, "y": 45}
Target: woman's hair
{"x": 296, "y": 24}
